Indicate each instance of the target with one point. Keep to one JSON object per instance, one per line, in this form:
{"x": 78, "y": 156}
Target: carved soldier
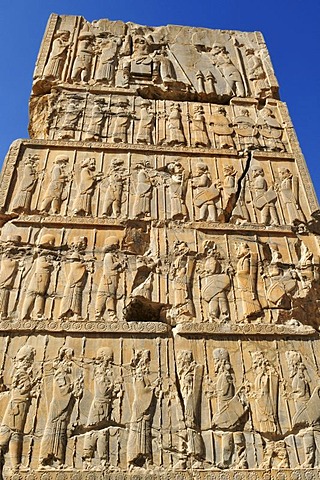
{"x": 222, "y": 129}
{"x": 190, "y": 375}
{"x": 107, "y": 61}
{"x": 15, "y": 415}
{"x": 206, "y": 194}
{"x": 9, "y": 266}
{"x": 122, "y": 121}
{"x": 144, "y": 188}
{"x": 256, "y": 74}
{"x": 306, "y": 266}
{"x": 107, "y": 289}
{"x": 65, "y": 391}
{"x": 177, "y": 185}
{"x": 83, "y": 62}
{"x": 199, "y": 129}
{"x": 175, "y": 128}
{"x": 283, "y": 283}
{"x": 246, "y": 130}
{"x": 230, "y": 415}
{"x": 26, "y": 186}
{"x": 106, "y": 390}
{"x": 85, "y": 188}
{"x": 58, "y": 55}
{"x": 246, "y": 281}
{"x": 288, "y": 191}
{"x": 97, "y": 121}
{"x": 146, "y": 123}
{"x": 264, "y": 198}
{"x": 139, "y": 446}
{"x": 52, "y": 198}
{"x": 39, "y": 277}
{"x": 71, "y": 304}
{"x": 180, "y": 274}
{"x": 215, "y": 282}
{"x": 270, "y": 131}
{"x": 115, "y": 180}
{"x": 234, "y": 207}
{"x": 232, "y": 79}
{"x": 301, "y": 393}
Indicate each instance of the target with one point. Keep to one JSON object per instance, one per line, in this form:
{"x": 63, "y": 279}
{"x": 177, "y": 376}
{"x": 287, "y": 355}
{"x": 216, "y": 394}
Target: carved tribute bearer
{"x": 159, "y": 264}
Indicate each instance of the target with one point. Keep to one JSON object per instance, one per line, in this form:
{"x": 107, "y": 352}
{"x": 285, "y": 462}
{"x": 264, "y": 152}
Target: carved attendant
{"x": 139, "y": 447}
{"x": 222, "y": 129}
{"x": 264, "y": 198}
{"x": 106, "y": 68}
{"x": 288, "y": 190}
{"x": 199, "y": 129}
{"x": 58, "y": 55}
{"x": 115, "y": 180}
{"x": 190, "y": 378}
{"x": 15, "y": 414}
{"x": 146, "y": 124}
{"x": 180, "y": 274}
{"x": 64, "y": 394}
{"x": 177, "y": 185}
{"x": 175, "y": 128}
{"x": 53, "y": 195}
{"x": 26, "y": 186}
{"x": 106, "y": 390}
{"x": 107, "y": 289}
{"x": 97, "y": 121}
{"x": 9, "y": 266}
{"x": 82, "y": 66}
{"x": 85, "y": 187}
{"x": 144, "y": 187}
{"x": 206, "y": 195}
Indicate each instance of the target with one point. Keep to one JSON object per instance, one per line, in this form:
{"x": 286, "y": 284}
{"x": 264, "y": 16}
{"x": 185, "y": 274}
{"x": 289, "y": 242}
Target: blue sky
{"x": 291, "y": 30}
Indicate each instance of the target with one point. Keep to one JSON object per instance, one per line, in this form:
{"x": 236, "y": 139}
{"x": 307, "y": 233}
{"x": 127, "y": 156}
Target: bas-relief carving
{"x": 172, "y": 237}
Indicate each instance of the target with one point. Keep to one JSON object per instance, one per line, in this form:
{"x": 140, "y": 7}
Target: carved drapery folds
{"x": 159, "y": 283}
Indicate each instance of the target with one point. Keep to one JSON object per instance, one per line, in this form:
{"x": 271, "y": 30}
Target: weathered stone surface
{"x": 159, "y": 269}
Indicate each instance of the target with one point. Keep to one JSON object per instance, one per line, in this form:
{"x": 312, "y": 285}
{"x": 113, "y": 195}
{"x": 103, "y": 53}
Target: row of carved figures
{"x": 120, "y": 124}
{"x": 124, "y": 194}
{"x": 251, "y": 407}
{"x": 62, "y": 272}
{"x": 138, "y": 59}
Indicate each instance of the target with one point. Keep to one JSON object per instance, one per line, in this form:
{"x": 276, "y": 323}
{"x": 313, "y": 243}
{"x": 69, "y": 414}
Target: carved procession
{"x": 159, "y": 264}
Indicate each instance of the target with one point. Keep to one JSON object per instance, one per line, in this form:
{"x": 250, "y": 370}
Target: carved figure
{"x": 107, "y": 289}
{"x": 283, "y": 283}
{"x": 106, "y": 390}
{"x": 206, "y": 194}
{"x": 256, "y": 74}
{"x": 122, "y": 122}
{"x": 39, "y": 277}
{"x": 190, "y": 379}
{"x": 301, "y": 393}
{"x": 9, "y": 266}
{"x": 306, "y": 266}
{"x": 144, "y": 189}
{"x": 288, "y": 191}
{"x": 139, "y": 447}
{"x": 246, "y": 130}
{"x": 270, "y": 131}
{"x": 146, "y": 123}
{"x": 97, "y": 121}
{"x": 53, "y": 195}
{"x": 107, "y": 61}
{"x": 177, "y": 184}
{"x": 71, "y": 304}
{"x": 265, "y": 394}
{"x": 27, "y": 184}
{"x": 234, "y": 207}
{"x": 148, "y": 63}
{"x": 246, "y": 278}
{"x": 58, "y": 55}
{"x": 230, "y": 414}
{"x": 82, "y": 66}
{"x": 85, "y": 188}
{"x": 199, "y": 129}
{"x": 180, "y": 273}
{"x": 231, "y": 76}
{"x": 15, "y": 414}
{"x": 115, "y": 181}
{"x": 264, "y": 198}
{"x": 72, "y": 114}
{"x": 222, "y": 129}
{"x": 65, "y": 391}
{"x": 215, "y": 282}
{"x": 175, "y": 128}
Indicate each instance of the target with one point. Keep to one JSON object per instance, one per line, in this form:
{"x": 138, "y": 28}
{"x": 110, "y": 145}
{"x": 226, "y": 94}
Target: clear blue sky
{"x": 291, "y": 29}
